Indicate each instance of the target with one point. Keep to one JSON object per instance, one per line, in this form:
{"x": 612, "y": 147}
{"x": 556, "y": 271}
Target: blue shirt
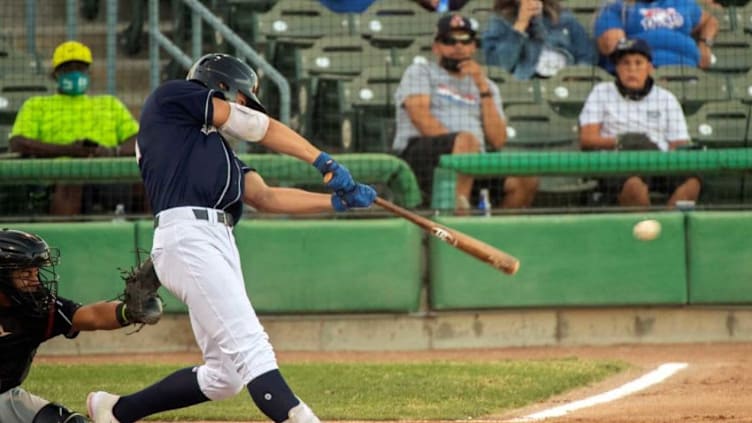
{"x": 347, "y": 6}
{"x": 666, "y": 25}
{"x": 184, "y": 161}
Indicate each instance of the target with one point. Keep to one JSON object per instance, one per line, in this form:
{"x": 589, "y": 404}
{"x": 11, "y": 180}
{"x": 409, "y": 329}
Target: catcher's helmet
{"x": 228, "y": 75}
{"x": 22, "y": 250}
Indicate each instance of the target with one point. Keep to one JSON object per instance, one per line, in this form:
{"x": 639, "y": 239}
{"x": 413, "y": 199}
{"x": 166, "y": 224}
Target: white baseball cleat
{"x": 301, "y": 413}
{"x": 99, "y": 405}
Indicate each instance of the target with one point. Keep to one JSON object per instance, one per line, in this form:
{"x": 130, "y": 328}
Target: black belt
{"x": 203, "y": 214}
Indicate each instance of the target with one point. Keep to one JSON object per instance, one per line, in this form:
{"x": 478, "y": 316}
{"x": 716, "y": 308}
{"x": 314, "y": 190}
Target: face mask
{"x": 451, "y": 65}
{"x": 73, "y": 83}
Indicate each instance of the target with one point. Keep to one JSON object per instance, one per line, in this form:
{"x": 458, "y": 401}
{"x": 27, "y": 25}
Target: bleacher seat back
{"x": 536, "y": 127}
{"x": 301, "y": 19}
{"x": 396, "y": 23}
{"x": 692, "y": 86}
{"x": 337, "y": 55}
{"x": 584, "y": 11}
{"x": 567, "y": 91}
{"x": 720, "y": 125}
{"x": 373, "y": 107}
{"x": 512, "y": 90}
{"x": 731, "y": 53}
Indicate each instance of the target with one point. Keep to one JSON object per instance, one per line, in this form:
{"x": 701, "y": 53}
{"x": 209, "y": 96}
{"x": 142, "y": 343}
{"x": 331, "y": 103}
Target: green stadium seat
{"x": 692, "y": 86}
{"x": 242, "y": 16}
{"x": 720, "y": 125}
{"x": 288, "y": 27}
{"x": 584, "y": 11}
{"x": 567, "y": 91}
{"x": 14, "y": 61}
{"x": 396, "y": 23}
{"x": 741, "y": 87}
{"x": 731, "y": 53}
{"x": 373, "y": 110}
{"x": 514, "y": 91}
{"x": 329, "y": 65}
{"x": 537, "y": 126}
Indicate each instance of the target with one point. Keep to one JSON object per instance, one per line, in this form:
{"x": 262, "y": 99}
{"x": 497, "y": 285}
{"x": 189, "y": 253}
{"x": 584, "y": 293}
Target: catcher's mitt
{"x": 142, "y": 303}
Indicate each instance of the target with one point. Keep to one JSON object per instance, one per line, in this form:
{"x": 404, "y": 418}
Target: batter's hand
{"x": 340, "y": 180}
{"x": 360, "y": 196}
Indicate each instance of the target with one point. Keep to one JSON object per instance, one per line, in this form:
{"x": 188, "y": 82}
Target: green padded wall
{"x": 568, "y": 260}
{"x": 720, "y": 257}
{"x": 90, "y": 256}
{"x": 331, "y": 266}
{"x": 307, "y": 266}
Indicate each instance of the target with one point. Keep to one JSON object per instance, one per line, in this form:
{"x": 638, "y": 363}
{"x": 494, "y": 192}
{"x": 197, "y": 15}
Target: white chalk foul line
{"x": 664, "y": 371}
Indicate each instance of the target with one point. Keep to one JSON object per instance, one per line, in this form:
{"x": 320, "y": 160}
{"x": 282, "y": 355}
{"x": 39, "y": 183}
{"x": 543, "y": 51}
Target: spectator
{"x": 71, "y": 123}
{"x": 441, "y": 6}
{"x": 633, "y": 108}
{"x": 449, "y": 106}
{"x": 347, "y": 6}
{"x": 31, "y": 313}
{"x": 678, "y": 31}
{"x": 535, "y": 38}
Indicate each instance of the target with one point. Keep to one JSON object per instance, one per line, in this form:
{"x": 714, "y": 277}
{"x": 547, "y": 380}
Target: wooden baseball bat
{"x": 463, "y": 242}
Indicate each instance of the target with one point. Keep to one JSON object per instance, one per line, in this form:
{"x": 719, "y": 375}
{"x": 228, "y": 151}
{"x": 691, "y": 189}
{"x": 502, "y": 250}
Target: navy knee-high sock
{"x": 272, "y": 395}
{"x": 177, "y": 390}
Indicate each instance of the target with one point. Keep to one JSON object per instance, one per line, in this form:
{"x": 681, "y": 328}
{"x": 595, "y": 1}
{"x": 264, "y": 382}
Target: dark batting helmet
{"x": 229, "y": 75}
{"x": 22, "y": 250}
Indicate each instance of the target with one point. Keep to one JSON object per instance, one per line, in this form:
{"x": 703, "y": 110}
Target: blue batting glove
{"x": 360, "y": 196}
{"x": 341, "y": 179}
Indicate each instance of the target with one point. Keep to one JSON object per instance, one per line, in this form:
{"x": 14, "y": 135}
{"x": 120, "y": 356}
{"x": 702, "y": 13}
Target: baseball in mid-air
{"x": 647, "y": 230}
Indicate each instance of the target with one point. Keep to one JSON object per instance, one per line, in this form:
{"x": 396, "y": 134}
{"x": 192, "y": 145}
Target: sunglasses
{"x": 449, "y": 41}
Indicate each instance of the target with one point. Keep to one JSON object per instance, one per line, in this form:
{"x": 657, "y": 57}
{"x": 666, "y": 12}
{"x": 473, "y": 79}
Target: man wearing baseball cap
{"x": 632, "y": 113}
{"x": 449, "y": 106}
{"x": 71, "y": 123}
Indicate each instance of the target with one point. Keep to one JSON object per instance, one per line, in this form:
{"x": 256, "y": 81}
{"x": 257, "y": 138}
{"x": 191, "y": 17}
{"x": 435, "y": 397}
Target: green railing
{"x": 383, "y": 169}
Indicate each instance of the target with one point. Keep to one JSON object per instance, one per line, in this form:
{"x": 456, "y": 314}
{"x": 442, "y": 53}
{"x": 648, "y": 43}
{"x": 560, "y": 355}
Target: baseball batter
{"x": 197, "y": 187}
{"x": 31, "y": 312}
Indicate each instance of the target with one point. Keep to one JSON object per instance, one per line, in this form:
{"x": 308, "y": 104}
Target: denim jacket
{"x": 518, "y": 53}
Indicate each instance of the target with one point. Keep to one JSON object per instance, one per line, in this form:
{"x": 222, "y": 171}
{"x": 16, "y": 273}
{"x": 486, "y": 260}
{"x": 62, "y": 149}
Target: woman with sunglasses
{"x": 535, "y": 38}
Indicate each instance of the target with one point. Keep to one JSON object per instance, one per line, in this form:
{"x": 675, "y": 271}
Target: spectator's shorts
{"x": 423, "y": 154}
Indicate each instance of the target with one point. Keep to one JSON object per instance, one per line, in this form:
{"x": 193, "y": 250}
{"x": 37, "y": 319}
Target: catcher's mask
{"x": 229, "y": 75}
{"x": 21, "y": 250}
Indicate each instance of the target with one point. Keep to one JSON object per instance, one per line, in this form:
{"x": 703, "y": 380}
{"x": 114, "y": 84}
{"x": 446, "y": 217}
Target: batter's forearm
{"x": 284, "y": 140}
{"x": 293, "y": 201}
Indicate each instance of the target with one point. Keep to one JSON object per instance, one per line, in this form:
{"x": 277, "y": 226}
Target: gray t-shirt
{"x": 455, "y": 102}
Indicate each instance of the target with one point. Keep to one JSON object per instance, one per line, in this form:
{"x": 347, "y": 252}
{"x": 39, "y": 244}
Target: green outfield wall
{"x": 384, "y": 265}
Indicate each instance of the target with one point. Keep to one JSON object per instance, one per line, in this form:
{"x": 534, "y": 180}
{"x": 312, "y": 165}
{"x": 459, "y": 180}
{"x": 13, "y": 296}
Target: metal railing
{"x": 200, "y": 13}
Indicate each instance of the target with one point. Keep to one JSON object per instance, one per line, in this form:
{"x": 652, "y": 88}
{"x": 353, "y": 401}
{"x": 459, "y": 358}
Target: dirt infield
{"x": 715, "y": 387}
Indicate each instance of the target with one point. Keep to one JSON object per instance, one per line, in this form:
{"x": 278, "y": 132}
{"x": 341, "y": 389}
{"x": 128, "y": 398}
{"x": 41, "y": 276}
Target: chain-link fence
{"x": 395, "y": 94}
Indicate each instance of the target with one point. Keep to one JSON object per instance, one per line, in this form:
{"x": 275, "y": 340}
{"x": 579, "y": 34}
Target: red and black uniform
{"x": 21, "y": 335}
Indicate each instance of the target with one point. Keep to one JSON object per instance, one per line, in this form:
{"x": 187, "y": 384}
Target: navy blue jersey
{"x": 20, "y": 335}
{"x": 184, "y": 161}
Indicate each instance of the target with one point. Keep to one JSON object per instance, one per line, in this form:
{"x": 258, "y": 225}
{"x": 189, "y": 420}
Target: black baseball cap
{"x": 633, "y": 45}
{"x": 454, "y": 22}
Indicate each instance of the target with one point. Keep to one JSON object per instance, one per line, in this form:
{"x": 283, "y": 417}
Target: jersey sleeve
{"x": 62, "y": 320}
{"x": 126, "y": 124}
{"x": 415, "y": 81}
{"x": 186, "y": 102}
{"x": 676, "y": 123}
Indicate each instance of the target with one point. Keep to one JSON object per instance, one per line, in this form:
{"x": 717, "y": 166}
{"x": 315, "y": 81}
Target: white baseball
{"x": 647, "y": 230}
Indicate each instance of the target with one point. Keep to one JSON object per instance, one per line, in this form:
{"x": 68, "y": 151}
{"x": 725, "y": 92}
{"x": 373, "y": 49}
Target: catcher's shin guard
{"x": 55, "y": 413}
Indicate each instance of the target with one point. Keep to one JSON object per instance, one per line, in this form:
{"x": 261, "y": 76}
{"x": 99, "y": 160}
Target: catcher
{"x": 31, "y": 312}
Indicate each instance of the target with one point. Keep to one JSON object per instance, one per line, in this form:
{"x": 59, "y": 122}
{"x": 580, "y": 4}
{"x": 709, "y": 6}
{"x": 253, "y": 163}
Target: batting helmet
{"x": 229, "y": 75}
{"x": 22, "y": 250}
